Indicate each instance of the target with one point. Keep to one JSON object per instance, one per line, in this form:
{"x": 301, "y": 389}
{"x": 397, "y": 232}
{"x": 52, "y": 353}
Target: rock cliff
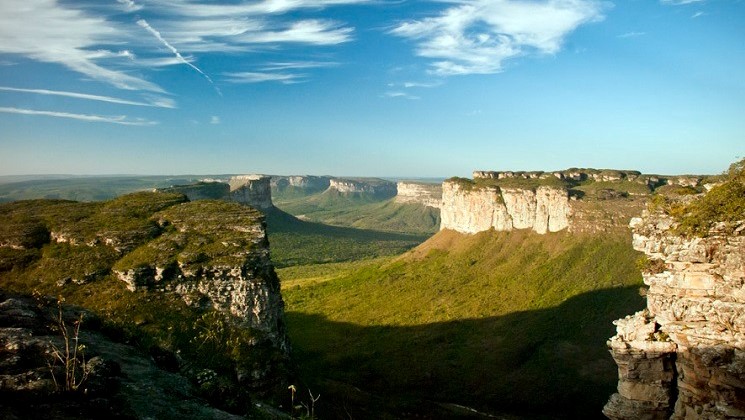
{"x": 684, "y": 355}
{"x": 252, "y": 190}
{"x": 372, "y": 186}
{"x": 429, "y": 195}
{"x": 308, "y": 183}
{"x": 211, "y": 254}
{"x": 471, "y": 208}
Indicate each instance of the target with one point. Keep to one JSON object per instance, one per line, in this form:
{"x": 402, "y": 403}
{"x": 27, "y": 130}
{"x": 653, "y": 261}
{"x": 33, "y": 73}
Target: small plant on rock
{"x": 72, "y": 356}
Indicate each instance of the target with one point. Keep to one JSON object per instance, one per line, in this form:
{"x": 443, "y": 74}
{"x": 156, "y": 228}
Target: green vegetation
{"x": 84, "y": 188}
{"x": 158, "y": 227}
{"x": 297, "y": 242}
{"x": 724, "y": 203}
{"x": 595, "y": 189}
{"x": 502, "y": 322}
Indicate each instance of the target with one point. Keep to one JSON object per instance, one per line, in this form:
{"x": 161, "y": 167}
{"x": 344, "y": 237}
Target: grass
{"x": 502, "y": 322}
{"x": 297, "y": 242}
{"x": 157, "y": 228}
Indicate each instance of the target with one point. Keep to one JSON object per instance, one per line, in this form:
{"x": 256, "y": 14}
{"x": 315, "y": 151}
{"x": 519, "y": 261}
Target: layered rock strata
{"x": 252, "y": 190}
{"x": 472, "y": 209}
{"x": 216, "y": 255}
{"x": 429, "y": 195}
{"x": 309, "y": 183}
{"x": 377, "y": 187}
{"x": 684, "y": 355}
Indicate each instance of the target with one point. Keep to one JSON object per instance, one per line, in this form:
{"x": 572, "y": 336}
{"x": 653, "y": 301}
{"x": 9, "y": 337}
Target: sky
{"x": 393, "y": 88}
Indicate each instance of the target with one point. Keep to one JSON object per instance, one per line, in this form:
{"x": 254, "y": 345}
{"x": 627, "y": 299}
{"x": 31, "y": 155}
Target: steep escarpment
{"x": 429, "y": 195}
{"x": 194, "y": 278}
{"x": 306, "y": 183}
{"x": 469, "y": 208}
{"x": 249, "y": 190}
{"x": 372, "y": 186}
{"x": 684, "y": 355}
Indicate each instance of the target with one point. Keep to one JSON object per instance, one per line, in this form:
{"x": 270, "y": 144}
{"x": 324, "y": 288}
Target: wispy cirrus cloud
{"x": 266, "y": 7}
{"x": 115, "y": 119}
{"x": 400, "y": 95}
{"x": 159, "y": 102}
{"x": 697, "y": 15}
{"x": 477, "y": 36}
{"x": 680, "y": 2}
{"x": 260, "y": 77}
{"x": 47, "y": 31}
{"x": 632, "y": 34}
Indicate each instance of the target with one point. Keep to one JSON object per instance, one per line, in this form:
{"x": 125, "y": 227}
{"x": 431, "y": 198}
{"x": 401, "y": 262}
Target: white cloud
{"x": 631, "y": 34}
{"x": 259, "y": 77}
{"x": 680, "y": 2}
{"x": 697, "y": 14}
{"x": 188, "y": 8}
{"x": 129, "y": 5}
{"x": 47, "y": 31}
{"x": 402, "y": 95}
{"x": 296, "y": 65}
{"x": 116, "y": 119}
{"x": 477, "y": 36}
{"x": 153, "y": 101}
{"x": 316, "y": 32}
{"x": 215, "y": 120}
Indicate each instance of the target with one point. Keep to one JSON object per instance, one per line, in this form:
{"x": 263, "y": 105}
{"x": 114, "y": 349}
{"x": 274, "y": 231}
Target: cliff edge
{"x": 684, "y": 355}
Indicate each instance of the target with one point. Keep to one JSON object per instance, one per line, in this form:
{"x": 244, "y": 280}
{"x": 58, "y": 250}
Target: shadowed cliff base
{"x": 548, "y": 363}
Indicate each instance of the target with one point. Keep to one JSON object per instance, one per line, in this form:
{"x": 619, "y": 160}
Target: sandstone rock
{"x": 252, "y": 190}
{"x": 429, "y": 195}
{"x": 376, "y": 187}
{"x": 472, "y": 210}
{"x": 694, "y": 325}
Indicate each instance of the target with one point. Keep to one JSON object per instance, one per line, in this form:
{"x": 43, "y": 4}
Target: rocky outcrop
{"x": 122, "y": 382}
{"x": 372, "y": 186}
{"x": 308, "y": 183}
{"x": 213, "y": 190}
{"x": 470, "y": 208}
{"x": 597, "y": 175}
{"x": 216, "y": 256}
{"x": 429, "y": 195}
{"x": 252, "y": 190}
{"x": 684, "y": 355}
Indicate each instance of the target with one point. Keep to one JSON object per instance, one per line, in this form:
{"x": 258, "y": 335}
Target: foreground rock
{"x": 122, "y": 382}
{"x": 684, "y": 356}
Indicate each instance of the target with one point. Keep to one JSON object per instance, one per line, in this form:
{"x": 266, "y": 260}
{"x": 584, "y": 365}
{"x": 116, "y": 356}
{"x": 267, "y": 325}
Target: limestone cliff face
{"x": 429, "y": 195}
{"x": 215, "y": 255}
{"x": 253, "y": 190}
{"x": 684, "y": 355}
{"x": 310, "y": 183}
{"x": 475, "y": 209}
{"x": 353, "y": 186}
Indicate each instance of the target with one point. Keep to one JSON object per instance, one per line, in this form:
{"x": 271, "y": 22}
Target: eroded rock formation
{"x": 429, "y": 195}
{"x": 309, "y": 183}
{"x": 472, "y": 209}
{"x": 683, "y": 357}
{"x": 377, "y": 187}
{"x": 252, "y": 190}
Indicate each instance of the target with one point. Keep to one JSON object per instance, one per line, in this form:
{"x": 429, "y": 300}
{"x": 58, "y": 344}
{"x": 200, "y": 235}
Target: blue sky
{"x": 370, "y": 87}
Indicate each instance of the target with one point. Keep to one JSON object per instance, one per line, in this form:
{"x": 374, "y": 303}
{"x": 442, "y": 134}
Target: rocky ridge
{"x": 250, "y": 190}
{"x": 684, "y": 355}
{"x": 471, "y": 209}
{"x": 429, "y": 195}
{"x": 309, "y": 183}
{"x": 377, "y": 187}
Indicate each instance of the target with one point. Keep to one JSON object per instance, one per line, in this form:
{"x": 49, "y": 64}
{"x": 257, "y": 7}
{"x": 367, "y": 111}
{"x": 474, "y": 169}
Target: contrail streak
{"x": 143, "y": 23}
